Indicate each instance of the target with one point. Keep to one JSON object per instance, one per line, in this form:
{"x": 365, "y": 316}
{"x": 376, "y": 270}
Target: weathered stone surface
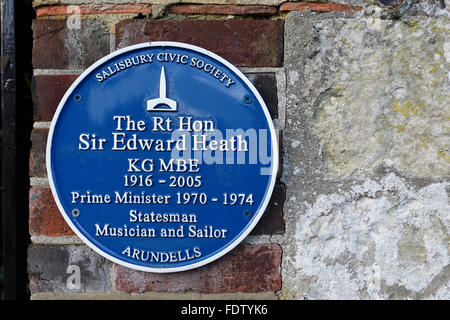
{"x": 366, "y": 207}
{"x": 255, "y": 43}
{"x": 50, "y": 269}
{"x": 374, "y": 89}
{"x": 248, "y": 268}
{"x": 392, "y": 3}
{"x": 371, "y": 240}
{"x": 408, "y": 8}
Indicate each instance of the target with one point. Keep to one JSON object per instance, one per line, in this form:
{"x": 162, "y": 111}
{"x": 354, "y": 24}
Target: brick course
{"x": 48, "y": 90}
{"x": 248, "y": 268}
{"x": 246, "y": 43}
{"x": 46, "y": 220}
{"x": 85, "y": 9}
{"x": 214, "y": 9}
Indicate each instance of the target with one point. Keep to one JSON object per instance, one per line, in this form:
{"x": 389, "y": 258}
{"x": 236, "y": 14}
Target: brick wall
{"x": 59, "y": 56}
{"x": 70, "y": 35}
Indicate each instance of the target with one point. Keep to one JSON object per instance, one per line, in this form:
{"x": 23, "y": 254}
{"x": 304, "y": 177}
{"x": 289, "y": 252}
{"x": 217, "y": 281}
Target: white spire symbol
{"x": 162, "y": 100}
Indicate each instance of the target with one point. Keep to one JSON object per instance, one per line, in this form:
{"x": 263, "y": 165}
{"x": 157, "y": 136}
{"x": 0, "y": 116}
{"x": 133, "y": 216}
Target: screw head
{"x": 247, "y": 99}
{"x": 75, "y": 212}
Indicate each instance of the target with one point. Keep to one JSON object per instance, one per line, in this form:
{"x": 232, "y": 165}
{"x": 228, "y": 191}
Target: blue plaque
{"x": 162, "y": 156}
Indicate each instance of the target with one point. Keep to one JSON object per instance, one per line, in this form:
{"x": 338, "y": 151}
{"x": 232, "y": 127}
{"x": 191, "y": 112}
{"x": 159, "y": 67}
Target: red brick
{"x": 48, "y": 46}
{"x": 216, "y": 9}
{"x": 45, "y": 218}
{"x": 247, "y": 268}
{"x": 58, "y": 46}
{"x": 85, "y": 9}
{"x": 37, "y": 155}
{"x": 253, "y": 43}
{"x": 315, "y": 6}
{"x": 47, "y": 91}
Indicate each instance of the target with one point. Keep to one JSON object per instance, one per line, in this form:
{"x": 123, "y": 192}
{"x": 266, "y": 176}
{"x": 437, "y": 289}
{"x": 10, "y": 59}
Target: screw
{"x": 75, "y": 213}
{"x": 247, "y": 99}
{"x": 78, "y": 98}
{"x": 247, "y": 213}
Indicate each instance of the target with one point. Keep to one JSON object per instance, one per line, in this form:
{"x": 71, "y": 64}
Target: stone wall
{"x": 359, "y": 94}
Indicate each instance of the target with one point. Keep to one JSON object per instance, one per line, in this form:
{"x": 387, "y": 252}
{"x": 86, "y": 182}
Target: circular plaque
{"x": 162, "y": 156}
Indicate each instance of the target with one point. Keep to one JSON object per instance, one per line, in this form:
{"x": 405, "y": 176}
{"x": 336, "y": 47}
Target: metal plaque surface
{"x": 162, "y": 156}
